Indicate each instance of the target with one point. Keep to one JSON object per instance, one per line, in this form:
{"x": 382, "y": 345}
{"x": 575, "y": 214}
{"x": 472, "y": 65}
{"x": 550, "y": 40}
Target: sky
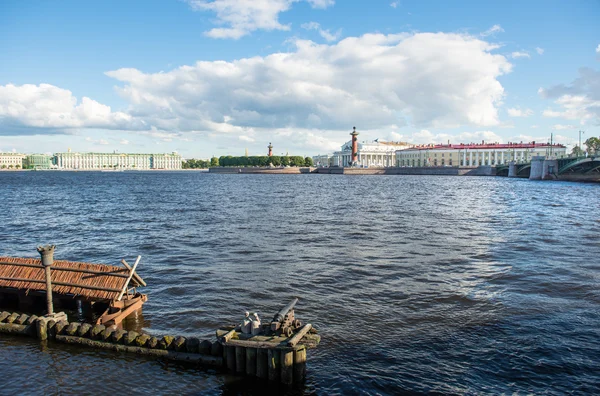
{"x": 216, "y": 77}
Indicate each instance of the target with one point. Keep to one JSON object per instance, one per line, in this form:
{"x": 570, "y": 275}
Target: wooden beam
{"x": 137, "y": 261}
{"x": 135, "y": 274}
{"x": 298, "y": 336}
{"x": 118, "y": 317}
{"x": 253, "y": 344}
{"x": 228, "y": 335}
{"x": 91, "y": 287}
{"x": 53, "y": 268}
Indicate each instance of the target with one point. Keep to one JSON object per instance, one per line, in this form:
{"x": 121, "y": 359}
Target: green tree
{"x": 308, "y": 161}
{"x": 577, "y": 151}
{"x": 593, "y": 145}
{"x": 214, "y": 161}
{"x": 275, "y": 160}
{"x": 285, "y": 160}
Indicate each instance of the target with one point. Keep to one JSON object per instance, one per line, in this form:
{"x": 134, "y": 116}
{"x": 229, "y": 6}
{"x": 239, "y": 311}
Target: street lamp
{"x": 580, "y": 149}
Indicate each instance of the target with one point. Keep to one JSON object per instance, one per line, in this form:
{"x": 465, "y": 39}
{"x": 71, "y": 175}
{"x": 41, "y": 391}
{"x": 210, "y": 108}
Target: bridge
{"x": 567, "y": 165}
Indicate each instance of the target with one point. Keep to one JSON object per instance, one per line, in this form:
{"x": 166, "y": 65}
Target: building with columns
{"x": 92, "y": 161}
{"x": 476, "y": 154}
{"x": 369, "y": 154}
{"x": 11, "y": 160}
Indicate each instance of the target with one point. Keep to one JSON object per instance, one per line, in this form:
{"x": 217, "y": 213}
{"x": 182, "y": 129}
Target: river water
{"x": 417, "y": 284}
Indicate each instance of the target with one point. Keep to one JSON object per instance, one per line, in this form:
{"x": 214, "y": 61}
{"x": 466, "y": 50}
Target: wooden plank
{"x": 137, "y": 261}
{"x": 228, "y": 335}
{"x": 83, "y": 271}
{"x": 135, "y": 274}
{"x": 91, "y": 287}
{"x": 253, "y": 344}
{"x": 118, "y": 317}
{"x": 298, "y": 336}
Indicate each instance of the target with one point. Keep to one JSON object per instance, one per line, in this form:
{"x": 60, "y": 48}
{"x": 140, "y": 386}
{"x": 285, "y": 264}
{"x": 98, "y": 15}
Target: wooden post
{"x": 251, "y": 361}
{"x": 301, "y": 333}
{"x": 135, "y": 275}
{"x": 240, "y": 360}
{"x": 230, "y": 358}
{"x": 47, "y": 253}
{"x": 300, "y": 365}
{"x": 274, "y": 356}
{"x": 287, "y": 367}
{"x": 137, "y": 261}
{"x": 262, "y": 363}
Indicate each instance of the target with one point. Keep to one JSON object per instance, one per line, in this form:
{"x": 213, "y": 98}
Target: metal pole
{"x": 47, "y": 253}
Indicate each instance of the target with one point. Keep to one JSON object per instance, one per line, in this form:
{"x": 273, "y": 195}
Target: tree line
{"x": 592, "y": 145}
{"x": 244, "y": 161}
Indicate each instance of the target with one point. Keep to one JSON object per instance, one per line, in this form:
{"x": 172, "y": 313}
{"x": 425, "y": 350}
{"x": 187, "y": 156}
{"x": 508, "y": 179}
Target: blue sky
{"x": 214, "y": 77}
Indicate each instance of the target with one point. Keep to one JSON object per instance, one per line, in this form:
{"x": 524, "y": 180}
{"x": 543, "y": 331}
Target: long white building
{"x": 11, "y": 160}
{"x": 370, "y": 154}
{"x": 90, "y": 161}
{"x": 474, "y": 154}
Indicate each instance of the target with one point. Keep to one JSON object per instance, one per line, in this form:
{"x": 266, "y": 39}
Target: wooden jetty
{"x": 274, "y": 351}
{"x": 108, "y": 290}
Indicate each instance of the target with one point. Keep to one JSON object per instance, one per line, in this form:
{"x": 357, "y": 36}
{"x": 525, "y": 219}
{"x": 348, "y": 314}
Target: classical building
{"x": 37, "y": 161}
{"x": 11, "y": 160}
{"x": 322, "y": 160}
{"x": 369, "y": 154}
{"x": 476, "y": 154}
{"x": 83, "y": 161}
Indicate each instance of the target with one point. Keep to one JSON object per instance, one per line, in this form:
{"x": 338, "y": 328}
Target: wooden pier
{"x": 274, "y": 351}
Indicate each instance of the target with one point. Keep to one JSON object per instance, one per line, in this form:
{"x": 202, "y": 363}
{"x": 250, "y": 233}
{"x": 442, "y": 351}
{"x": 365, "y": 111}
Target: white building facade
{"x": 11, "y": 160}
{"x": 91, "y": 161}
{"x": 370, "y": 154}
{"x": 474, "y": 155}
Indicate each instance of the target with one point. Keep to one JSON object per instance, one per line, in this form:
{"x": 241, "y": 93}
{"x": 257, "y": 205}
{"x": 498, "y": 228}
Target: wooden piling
{"x": 230, "y": 358}
{"x": 300, "y": 365}
{"x": 41, "y": 326}
{"x": 240, "y": 360}
{"x": 251, "y": 356}
{"x": 274, "y": 356}
{"x": 262, "y": 363}
{"x": 287, "y": 367}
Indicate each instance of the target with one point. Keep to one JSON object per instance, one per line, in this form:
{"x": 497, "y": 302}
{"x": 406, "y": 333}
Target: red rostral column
{"x": 354, "y": 146}
{"x": 270, "y": 150}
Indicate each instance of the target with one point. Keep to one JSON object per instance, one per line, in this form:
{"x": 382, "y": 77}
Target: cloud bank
{"x": 375, "y": 81}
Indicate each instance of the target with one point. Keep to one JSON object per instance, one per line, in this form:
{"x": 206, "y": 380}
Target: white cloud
{"x": 124, "y": 142}
{"x": 492, "y": 31}
{"x": 394, "y": 4}
{"x": 314, "y": 93}
{"x": 325, "y": 33}
{"x": 26, "y": 108}
{"x": 578, "y": 101}
{"x": 559, "y": 127}
{"x": 534, "y": 126}
{"x": 246, "y": 138}
{"x": 513, "y": 112}
{"x": 598, "y": 49}
{"x": 539, "y": 50}
{"x": 241, "y": 17}
{"x": 520, "y": 54}
{"x": 371, "y": 81}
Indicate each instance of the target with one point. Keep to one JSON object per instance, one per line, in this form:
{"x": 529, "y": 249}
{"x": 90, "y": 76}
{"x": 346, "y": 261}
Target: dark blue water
{"x": 417, "y": 284}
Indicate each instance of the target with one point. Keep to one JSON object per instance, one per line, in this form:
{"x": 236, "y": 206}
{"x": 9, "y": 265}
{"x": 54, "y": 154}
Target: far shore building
{"x": 37, "y": 161}
{"x": 323, "y": 160}
{"x": 370, "y": 154}
{"x": 91, "y": 161}
{"x": 474, "y": 154}
{"x": 11, "y": 160}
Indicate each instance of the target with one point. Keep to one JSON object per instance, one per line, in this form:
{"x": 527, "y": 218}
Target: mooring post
{"x": 47, "y": 253}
